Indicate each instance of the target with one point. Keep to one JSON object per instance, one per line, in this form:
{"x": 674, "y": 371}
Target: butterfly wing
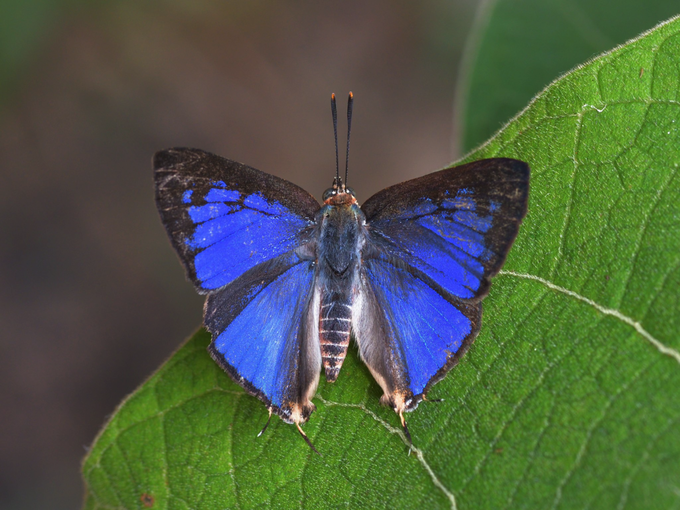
{"x": 265, "y": 334}
{"x": 224, "y": 218}
{"x": 434, "y": 243}
{"x": 409, "y": 334}
{"x": 244, "y": 239}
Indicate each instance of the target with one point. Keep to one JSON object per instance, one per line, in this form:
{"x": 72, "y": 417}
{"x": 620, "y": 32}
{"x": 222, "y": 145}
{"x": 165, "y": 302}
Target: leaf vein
{"x": 532, "y": 455}
{"x": 643, "y": 458}
{"x": 643, "y": 230}
{"x": 398, "y": 432}
{"x": 520, "y": 405}
{"x": 607, "y": 311}
{"x": 572, "y": 185}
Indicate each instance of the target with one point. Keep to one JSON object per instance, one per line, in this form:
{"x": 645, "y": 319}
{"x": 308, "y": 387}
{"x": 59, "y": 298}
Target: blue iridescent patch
{"x": 232, "y": 233}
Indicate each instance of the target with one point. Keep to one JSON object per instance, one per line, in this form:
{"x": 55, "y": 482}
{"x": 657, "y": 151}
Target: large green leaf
{"x": 519, "y": 46}
{"x": 568, "y": 399}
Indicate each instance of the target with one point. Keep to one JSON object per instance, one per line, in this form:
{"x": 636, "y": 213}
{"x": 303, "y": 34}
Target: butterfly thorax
{"x": 342, "y": 235}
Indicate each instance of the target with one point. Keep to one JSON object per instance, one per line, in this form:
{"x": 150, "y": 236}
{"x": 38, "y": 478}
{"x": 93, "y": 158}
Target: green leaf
{"x": 517, "y": 47}
{"x": 569, "y": 397}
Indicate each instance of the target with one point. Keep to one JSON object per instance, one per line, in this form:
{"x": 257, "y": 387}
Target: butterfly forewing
{"x": 224, "y": 217}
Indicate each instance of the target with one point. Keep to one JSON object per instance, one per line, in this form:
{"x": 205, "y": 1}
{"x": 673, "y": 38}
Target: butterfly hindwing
{"x": 225, "y": 218}
{"x": 409, "y": 334}
{"x": 265, "y": 334}
{"x": 434, "y": 243}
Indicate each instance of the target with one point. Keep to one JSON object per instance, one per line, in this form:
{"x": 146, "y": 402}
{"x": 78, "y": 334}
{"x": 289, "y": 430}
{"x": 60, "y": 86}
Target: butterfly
{"x": 289, "y": 281}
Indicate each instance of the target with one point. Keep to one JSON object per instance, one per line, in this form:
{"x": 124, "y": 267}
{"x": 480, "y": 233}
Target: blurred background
{"x": 92, "y": 297}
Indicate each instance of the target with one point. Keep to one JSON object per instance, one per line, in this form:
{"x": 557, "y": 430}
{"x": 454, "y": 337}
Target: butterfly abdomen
{"x": 335, "y": 320}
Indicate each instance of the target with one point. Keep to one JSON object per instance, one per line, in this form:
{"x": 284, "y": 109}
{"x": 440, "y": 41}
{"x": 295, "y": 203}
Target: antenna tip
{"x": 351, "y": 96}
{"x": 333, "y": 95}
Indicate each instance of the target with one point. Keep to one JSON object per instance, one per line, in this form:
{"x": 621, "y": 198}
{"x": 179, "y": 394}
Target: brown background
{"x": 92, "y": 298}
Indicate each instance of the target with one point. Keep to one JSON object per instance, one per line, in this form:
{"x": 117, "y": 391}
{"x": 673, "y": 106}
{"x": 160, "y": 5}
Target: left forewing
{"x": 223, "y": 218}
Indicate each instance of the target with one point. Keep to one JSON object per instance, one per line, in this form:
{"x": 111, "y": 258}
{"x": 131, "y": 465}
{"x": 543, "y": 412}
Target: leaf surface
{"x": 517, "y": 47}
{"x": 569, "y": 397}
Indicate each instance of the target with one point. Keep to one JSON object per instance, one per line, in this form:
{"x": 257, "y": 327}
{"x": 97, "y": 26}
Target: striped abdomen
{"x": 335, "y": 321}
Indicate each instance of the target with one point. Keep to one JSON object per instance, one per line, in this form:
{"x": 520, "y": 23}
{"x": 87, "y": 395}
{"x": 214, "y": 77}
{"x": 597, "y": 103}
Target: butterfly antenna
{"x": 350, "y": 103}
{"x": 403, "y": 425}
{"x": 266, "y": 424}
{"x": 334, "y": 111}
{"x": 304, "y": 436}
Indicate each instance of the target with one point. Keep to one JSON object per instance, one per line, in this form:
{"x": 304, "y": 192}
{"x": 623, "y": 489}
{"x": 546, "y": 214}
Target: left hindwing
{"x": 265, "y": 329}
{"x": 225, "y": 218}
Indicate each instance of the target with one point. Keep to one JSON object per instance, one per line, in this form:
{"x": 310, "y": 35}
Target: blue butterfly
{"x": 288, "y": 282}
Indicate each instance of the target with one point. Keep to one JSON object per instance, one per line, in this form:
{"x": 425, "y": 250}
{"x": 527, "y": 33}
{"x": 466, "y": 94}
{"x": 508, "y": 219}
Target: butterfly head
{"x": 339, "y": 194}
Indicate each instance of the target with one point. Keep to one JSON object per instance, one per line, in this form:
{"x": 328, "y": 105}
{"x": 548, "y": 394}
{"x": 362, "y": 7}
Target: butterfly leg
{"x": 403, "y": 426}
{"x": 398, "y": 401}
{"x": 304, "y": 436}
{"x": 266, "y": 424}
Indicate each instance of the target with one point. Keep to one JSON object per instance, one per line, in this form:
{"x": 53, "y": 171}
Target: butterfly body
{"x": 342, "y": 234}
{"x": 289, "y": 282}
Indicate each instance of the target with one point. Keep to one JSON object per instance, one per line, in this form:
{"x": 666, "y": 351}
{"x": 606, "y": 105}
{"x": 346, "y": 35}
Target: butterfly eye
{"x": 350, "y": 191}
{"x": 328, "y": 193}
